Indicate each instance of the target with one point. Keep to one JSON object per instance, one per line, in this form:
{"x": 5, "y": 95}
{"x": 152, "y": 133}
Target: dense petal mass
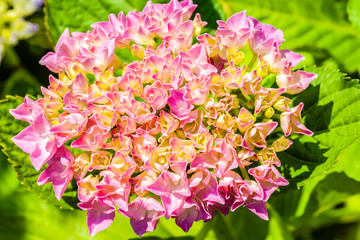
{"x": 185, "y": 130}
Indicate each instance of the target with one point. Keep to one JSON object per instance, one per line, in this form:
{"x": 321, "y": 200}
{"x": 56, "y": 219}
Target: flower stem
{"x": 251, "y": 63}
{"x": 244, "y": 173}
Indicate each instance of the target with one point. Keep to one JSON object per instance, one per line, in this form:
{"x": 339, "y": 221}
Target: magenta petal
{"x": 98, "y": 219}
{"x": 39, "y": 147}
{"x": 172, "y": 202}
{"x": 144, "y": 214}
{"x": 186, "y": 219}
{"x": 60, "y": 185}
{"x": 26, "y": 139}
{"x": 42, "y": 153}
{"x": 142, "y": 226}
{"x": 165, "y": 134}
{"x": 179, "y": 107}
{"x": 48, "y": 173}
{"x": 50, "y": 61}
{"x": 27, "y": 111}
{"x": 292, "y": 57}
{"x": 80, "y": 85}
{"x": 258, "y": 207}
{"x": 172, "y": 187}
{"x": 269, "y": 179}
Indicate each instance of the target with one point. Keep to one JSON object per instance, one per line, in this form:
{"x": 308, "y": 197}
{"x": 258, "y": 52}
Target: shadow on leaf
{"x": 307, "y": 153}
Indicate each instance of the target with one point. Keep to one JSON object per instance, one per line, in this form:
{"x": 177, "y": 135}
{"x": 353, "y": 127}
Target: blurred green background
{"x": 326, "y": 32}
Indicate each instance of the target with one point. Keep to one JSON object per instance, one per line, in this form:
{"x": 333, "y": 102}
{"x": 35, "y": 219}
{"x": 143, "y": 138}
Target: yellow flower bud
{"x": 235, "y": 55}
{"x": 269, "y": 112}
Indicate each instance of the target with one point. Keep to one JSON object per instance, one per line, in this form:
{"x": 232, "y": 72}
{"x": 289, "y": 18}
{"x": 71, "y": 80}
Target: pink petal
{"x": 99, "y": 219}
{"x": 258, "y": 207}
{"x": 27, "y": 111}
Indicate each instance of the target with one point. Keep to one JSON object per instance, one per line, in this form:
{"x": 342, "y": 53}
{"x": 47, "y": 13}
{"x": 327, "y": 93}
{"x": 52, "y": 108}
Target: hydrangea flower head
{"x": 186, "y": 129}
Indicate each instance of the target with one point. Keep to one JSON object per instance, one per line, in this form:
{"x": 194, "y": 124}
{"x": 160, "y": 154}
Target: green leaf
{"x": 278, "y": 229}
{"x": 332, "y": 112}
{"x": 20, "y": 161}
{"x": 305, "y": 197}
{"x": 286, "y": 204}
{"x": 328, "y": 222}
{"x": 125, "y": 55}
{"x": 308, "y": 24}
{"x": 334, "y": 190}
{"x": 221, "y": 228}
{"x": 246, "y": 225}
{"x": 347, "y": 213}
{"x": 210, "y": 11}
{"x": 353, "y": 10}
{"x": 7, "y": 176}
{"x": 205, "y": 231}
{"x": 349, "y": 161}
{"x": 21, "y": 83}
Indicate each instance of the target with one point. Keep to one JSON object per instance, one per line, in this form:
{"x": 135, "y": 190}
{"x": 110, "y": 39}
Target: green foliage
{"x": 326, "y": 32}
{"x": 335, "y": 189}
{"x": 277, "y": 227}
{"x": 353, "y": 9}
{"x": 210, "y": 11}
{"x": 20, "y": 161}
{"x": 349, "y": 161}
{"x": 320, "y": 27}
{"x": 29, "y": 85}
{"x": 331, "y": 111}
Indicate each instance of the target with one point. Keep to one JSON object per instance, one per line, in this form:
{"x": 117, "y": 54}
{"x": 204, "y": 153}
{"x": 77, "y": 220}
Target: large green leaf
{"x": 308, "y": 24}
{"x": 334, "y": 190}
{"x": 20, "y": 161}
{"x": 332, "y": 112}
{"x": 349, "y": 161}
{"x": 353, "y": 9}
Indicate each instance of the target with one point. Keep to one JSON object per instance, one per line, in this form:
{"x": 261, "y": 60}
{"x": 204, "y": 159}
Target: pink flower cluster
{"x": 185, "y": 129}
